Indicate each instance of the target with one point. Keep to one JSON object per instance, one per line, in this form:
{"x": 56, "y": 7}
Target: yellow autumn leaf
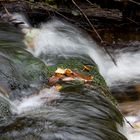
{"x": 60, "y": 71}
{"x": 68, "y": 72}
{"x": 58, "y": 87}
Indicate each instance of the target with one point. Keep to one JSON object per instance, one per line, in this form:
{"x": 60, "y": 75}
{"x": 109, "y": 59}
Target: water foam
{"x": 127, "y": 69}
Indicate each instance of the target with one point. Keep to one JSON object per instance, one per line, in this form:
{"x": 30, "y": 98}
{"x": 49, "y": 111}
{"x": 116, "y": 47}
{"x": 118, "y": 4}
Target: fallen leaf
{"x": 58, "y": 87}
{"x": 69, "y": 75}
{"x": 82, "y": 76}
{"x": 68, "y": 72}
{"x": 60, "y": 71}
{"x": 54, "y": 79}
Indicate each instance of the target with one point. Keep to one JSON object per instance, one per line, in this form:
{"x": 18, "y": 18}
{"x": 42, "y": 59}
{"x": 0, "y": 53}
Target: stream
{"x": 42, "y": 112}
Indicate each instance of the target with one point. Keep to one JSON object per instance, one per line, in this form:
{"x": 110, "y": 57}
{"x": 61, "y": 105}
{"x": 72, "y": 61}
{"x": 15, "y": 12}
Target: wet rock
{"x": 5, "y": 109}
{"x": 21, "y": 74}
{"x": 85, "y": 68}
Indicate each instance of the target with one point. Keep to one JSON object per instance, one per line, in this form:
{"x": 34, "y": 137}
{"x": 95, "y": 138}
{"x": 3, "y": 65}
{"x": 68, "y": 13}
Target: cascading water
{"x": 59, "y": 38}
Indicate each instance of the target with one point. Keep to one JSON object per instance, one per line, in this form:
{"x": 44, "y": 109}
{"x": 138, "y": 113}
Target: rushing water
{"x": 60, "y": 38}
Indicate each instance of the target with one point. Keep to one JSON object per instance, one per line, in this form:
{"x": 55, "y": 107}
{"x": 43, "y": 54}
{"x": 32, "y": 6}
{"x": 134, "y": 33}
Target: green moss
{"x": 19, "y": 68}
{"x": 77, "y": 64}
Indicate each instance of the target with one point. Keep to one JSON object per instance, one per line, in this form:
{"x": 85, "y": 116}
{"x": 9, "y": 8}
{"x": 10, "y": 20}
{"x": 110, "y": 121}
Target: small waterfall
{"x": 60, "y": 38}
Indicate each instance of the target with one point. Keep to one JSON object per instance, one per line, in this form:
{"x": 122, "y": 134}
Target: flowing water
{"x": 59, "y": 38}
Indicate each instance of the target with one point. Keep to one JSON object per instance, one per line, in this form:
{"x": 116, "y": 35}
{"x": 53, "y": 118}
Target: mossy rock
{"x": 5, "y": 108}
{"x": 21, "y": 71}
{"x": 77, "y": 63}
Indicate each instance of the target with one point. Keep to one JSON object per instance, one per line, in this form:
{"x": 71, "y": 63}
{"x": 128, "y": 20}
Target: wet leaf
{"x": 54, "y": 79}
{"x": 58, "y": 87}
{"x": 68, "y": 72}
{"x": 69, "y": 75}
{"x": 84, "y": 77}
{"x": 60, "y": 71}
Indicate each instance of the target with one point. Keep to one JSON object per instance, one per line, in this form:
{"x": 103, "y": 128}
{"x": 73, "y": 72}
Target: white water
{"x": 133, "y": 133}
{"x": 44, "y": 97}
